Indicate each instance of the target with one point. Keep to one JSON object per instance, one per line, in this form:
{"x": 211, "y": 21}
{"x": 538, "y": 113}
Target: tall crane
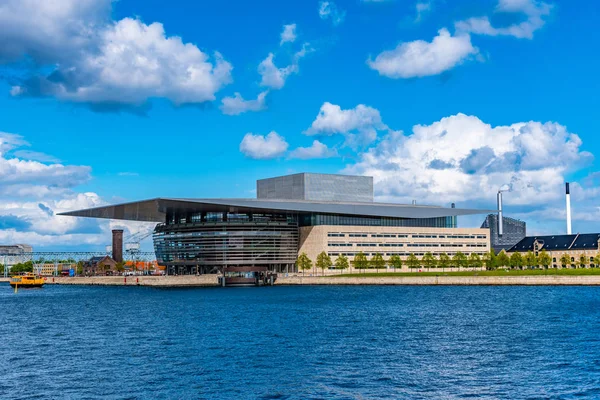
{"x": 132, "y": 242}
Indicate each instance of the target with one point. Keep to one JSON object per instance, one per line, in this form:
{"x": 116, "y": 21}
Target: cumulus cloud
{"x": 237, "y": 105}
{"x": 421, "y": 58}
{"x": 263, "y": 147}
{"x": 33, "y": 192}
{"x": 50, "y": 31}
{"x": 462, "y": 159}
{"x": 99, "y": 61}
{"x": 359, "y": 125}
{"x": 316, "y": 150}
{"x": 274, "y": 77}
{"x": 329, "y": 10}
{"x": 534, "y": 11}
{"x": 288, "y": 34}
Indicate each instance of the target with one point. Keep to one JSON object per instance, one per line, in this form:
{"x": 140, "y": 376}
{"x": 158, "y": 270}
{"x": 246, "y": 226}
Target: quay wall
{"x": 211, "y": 280}
{"x": 581, "y": 280}
{"x": 158, "y": 281}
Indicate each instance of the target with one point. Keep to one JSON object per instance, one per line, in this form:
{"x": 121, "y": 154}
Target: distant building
{"x": 100, "y": 266}
{"x": 50, "y": 269}
{"x": 514, "y": 231}
{"x": 15, "y": 249}
{"x": 558, "y": 245}
{"x": 11, "y": 254}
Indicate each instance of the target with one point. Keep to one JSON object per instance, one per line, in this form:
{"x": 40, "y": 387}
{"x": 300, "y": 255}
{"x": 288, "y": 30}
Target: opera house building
{"x": 292, "y": 214}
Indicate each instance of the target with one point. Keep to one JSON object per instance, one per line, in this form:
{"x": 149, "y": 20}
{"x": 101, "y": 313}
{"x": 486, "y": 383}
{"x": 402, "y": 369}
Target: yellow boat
{"x": 28, "y": 280}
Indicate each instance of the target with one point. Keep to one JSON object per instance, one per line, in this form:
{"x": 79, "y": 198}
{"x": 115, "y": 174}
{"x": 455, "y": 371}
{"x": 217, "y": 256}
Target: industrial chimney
{"x": 500, "y": 221}
{"x": 117, "y": 245}
{"x": 568, "y": 195}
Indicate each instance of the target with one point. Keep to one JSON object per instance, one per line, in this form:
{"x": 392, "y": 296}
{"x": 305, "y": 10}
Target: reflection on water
{"x": 300, "y": 342}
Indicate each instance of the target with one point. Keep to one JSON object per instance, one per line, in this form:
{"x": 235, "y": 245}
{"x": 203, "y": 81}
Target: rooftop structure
{"x": 583, "y": 241}
{"x": 317, "y": 187}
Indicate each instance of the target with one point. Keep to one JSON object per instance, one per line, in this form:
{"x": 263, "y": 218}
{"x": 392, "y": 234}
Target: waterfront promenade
{"x": 211, "y": 280}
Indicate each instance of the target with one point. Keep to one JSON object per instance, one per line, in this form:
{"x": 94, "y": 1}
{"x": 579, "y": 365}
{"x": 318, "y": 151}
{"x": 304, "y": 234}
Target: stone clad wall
{"x": 315, "y": 239}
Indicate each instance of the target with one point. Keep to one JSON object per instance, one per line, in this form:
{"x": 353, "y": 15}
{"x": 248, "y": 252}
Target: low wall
{"x": 211, "y": 280}
{"x": 157, "y": 281}
{"x": 586, "y": 280}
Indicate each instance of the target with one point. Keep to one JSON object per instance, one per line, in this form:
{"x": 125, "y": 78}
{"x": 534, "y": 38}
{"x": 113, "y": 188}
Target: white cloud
{"x": 534, "y": 10}
{"x": 237, "y": 105}
{"x": 422, "y": 8}
{"x": 263, "y": 147}
{"x": 462, "y": 159}
{"x": 50, "y": 31}
{"x": 32, "y": 193}
{"x": 288, "y": 34}
{"x": 103, "y": 62}
{"x": 359, "y": 125}
{"x": 36, "y": 156}
{"x": 316, "y": 150}
{"x": 421, "y": 58}
{"x": 274, "y": 77}
{"x": 328, "y": 9}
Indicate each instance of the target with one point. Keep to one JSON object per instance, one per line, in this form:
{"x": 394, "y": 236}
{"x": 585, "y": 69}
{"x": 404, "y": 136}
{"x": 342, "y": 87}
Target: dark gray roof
{"x": 154, "y": 210}
{"x": 583, "y": 241}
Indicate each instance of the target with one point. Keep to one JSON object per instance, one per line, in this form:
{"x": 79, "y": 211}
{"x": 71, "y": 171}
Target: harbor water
{"x": 300, "y": 342}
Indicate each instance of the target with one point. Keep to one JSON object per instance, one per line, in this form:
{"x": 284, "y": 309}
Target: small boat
{"x": 28, "y": 280}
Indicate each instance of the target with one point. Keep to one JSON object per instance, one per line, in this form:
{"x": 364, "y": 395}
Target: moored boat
{"x": 28, "y": 280}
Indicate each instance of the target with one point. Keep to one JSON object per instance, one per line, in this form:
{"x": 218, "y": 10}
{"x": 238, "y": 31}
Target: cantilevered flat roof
{"x": 154, "y": 210}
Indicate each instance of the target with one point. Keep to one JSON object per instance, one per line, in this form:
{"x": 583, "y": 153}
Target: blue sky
{"x": 104, "y": 101}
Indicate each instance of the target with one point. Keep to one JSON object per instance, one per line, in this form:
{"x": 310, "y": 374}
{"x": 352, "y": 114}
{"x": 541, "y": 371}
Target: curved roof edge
{"x": 154, "y": 210}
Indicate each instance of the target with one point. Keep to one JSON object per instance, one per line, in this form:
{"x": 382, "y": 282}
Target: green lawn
{"x": 434, "y": 272}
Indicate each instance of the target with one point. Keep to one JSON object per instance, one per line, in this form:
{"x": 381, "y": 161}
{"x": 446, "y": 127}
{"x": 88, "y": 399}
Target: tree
{"x": 360, "y": 261}
{"x": 377, "y": 261}
{"x": 530, "y": 260}
{"x": 565, "y": 260}
{"x": 583, "y": 261}
{"x": 120, "y": 267}
{"x": 502, "y": 259}
{"x": 544, "y": 259}
{"x": 596, "y": 260}
{"x": 489, "y": 260}
{"x": 412, "y": 261}
{"x": 22, "y": 267}
{"x": 341, "y": 262}
{"x": 516, "y": 260}
{"x": 323, "y": 261}
{"x": 444, "y": 261}
{"x": 303, "y": 263}
{"x": 396, "y": 261}
{"x": 475, "y": 261}
{"x": 429, "y": 260}
{"x": 459, "y": 260}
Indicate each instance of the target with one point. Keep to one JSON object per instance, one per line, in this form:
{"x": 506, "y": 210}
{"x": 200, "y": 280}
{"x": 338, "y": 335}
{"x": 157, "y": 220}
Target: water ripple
{"x": 300, "y": 343}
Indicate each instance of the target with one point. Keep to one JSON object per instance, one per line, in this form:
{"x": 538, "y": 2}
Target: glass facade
{"x": 313, "y": 219}
{"x": 206, "y": 242}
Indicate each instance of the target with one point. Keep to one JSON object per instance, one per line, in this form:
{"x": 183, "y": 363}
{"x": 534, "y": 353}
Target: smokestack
{"x": 117, "y": 245}
{"x": 500, "y": 226}
{"x": 568, "y": 194}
